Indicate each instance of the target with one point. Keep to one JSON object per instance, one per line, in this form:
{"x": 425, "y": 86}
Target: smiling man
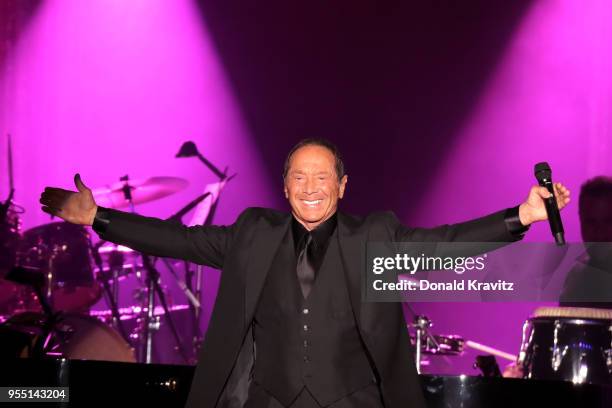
{"x": 315, "y": 182}
{"x": 289, "y": 328}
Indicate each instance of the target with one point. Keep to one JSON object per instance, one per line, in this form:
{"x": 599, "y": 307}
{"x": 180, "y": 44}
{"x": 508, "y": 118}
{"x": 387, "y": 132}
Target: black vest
{"x": 311, "y": 342}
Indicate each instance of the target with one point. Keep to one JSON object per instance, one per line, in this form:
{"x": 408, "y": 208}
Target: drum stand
{"x": 196, "y": 341}
{"x": 189, "y": 149}
{"x": 111, "y": 293}
{"x": 423, "y": 336}
{"x": 150, "y": 324}
{"x": 34, "y": 279}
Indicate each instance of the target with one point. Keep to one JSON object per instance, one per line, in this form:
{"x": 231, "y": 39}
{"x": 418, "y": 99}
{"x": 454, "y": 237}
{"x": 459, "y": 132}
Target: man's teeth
{"x": 312, "y": 202}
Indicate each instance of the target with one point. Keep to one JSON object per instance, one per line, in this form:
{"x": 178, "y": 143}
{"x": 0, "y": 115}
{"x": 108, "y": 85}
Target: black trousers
{"x": 368, "y": 397}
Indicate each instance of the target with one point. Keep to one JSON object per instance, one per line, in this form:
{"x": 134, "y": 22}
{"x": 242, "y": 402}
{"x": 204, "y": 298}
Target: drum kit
{"x": 53, "y": 274}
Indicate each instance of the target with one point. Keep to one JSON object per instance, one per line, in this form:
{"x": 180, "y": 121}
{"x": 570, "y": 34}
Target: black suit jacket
{"x": 244, "y": 251}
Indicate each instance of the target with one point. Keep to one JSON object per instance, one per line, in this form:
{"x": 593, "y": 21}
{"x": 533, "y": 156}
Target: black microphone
{"x": 543, "y": 174}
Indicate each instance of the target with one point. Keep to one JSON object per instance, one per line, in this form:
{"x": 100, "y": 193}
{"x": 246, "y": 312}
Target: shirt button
{"x": 305, "y": 311}
{"x": 305, "y": 327}
{"x": 306, "y": 359}
{"x": 305, "y": 343}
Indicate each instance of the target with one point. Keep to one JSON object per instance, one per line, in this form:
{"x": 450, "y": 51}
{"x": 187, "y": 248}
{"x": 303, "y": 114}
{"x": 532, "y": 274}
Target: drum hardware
{"x": 427, "y": 343}
{"x": 189, "y": 149}
{"x": 423, "y": 337}
{"x": 111, "y": 294}
{"x": 447, "y": 346}
{"x": 151, "y": 322}
{"x": 183, "y": 285}
{"x": 115, "y": 268}
{"x": 126, "y": 190}
{"x": 13, "y": 296}
{"x": 116, "y": 260}
{"x": 193, "y": 300}
{"x": 133, "y": 312}
{"x": 6, "y": 208}
{"x": 197, "y": 338}
{"x": 424, "y": 341}
{"x": 557, "y": 354}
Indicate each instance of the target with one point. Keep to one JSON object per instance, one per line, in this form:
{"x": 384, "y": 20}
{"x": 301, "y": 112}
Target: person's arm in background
{"x": 204, "y": 245}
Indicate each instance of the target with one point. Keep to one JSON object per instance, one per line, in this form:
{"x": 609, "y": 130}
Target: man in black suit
{"x": 289, "y": 328}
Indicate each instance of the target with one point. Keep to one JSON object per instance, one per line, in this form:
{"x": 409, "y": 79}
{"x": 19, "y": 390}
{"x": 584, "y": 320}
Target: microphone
{"x": 543, "y": 174}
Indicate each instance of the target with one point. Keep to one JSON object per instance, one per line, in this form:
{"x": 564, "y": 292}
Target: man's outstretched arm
{"x": 204, "y": 245}
{"x": 502, "y": 226}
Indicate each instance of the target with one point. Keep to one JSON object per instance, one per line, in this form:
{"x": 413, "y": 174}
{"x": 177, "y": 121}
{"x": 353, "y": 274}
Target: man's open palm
{"x": 77, "y": 207}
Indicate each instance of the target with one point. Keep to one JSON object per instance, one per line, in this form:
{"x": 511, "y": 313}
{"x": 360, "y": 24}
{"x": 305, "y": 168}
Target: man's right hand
{"x": 77, "y": 207}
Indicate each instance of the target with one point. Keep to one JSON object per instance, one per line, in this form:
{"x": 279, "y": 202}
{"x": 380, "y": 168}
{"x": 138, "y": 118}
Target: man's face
{"x": 312, "y": 185}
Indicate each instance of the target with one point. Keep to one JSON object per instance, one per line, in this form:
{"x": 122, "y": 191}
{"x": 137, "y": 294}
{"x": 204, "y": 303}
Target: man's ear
{"x": 286, "y": 191}
{"x": 343, "y": 181}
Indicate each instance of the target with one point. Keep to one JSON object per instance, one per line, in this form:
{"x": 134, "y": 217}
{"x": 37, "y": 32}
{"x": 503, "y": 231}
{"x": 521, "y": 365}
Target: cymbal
{"x": 143, "y": 191}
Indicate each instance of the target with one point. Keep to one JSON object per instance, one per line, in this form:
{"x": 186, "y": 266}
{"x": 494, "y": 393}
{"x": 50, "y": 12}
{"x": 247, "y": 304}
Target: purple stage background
{"x": 441, "y": 109}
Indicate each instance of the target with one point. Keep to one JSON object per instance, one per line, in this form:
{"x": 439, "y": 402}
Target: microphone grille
{"x": 542, "y": 171}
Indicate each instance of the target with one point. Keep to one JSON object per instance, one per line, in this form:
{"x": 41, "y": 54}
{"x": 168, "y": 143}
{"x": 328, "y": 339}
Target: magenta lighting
{"x": 549, "y": 99}
{"x": 114, "y": 88}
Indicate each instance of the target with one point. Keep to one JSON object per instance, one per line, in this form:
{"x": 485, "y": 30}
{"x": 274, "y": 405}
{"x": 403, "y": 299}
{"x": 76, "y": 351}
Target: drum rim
{"x": 578, "y": 321}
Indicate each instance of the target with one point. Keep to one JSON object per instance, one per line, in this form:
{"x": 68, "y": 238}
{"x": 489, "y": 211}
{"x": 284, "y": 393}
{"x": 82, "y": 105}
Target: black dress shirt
{"x": 320, "y": 238}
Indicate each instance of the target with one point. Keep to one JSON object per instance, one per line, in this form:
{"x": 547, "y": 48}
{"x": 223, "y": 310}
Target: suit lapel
{"x": 265, "y": 244}
{"x": 352, "y": 252}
